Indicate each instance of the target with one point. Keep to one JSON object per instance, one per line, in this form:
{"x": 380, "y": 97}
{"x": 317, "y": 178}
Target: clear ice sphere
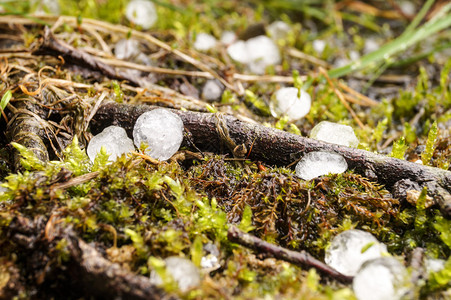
{"x": 334, "y": 133}
{"x": 161, "y": 130}
{"x": 350, "y": 249}
{"x": 212, "y": 90}
{"x": 126, "y": 49}
{"x": 278, "y": 30}
{"x": 263, "y": 52}
{"x": 383, "y": 278}
{"x": 238, "y": 52}
{"x": 315, "y": 164}
{"x": 184, "y": 272}
{"x": 141, "y": 13}
{"x": 204, "y": 42}
{"x": 115, "y": 141}
{"x": 286, "y": 102}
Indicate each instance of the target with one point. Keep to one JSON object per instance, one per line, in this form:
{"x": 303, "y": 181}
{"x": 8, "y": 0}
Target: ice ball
{"x": 141, "y": 13}
{"x": 351, "y": 248}
{"x": 182, "y": 270}
{"x": 334, "y": 133}
{"x": 161, "y": 130}
{"x": 115, "y": 141}
{"x": 382, "y": 278}
{"x": 204, "y": 42}
{"x": 286, "y": 102}
{"x": 212, "y": 90}
{"x": 315, "y": 164}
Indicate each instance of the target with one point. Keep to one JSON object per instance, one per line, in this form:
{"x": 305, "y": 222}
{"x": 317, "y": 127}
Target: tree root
{"x": 89, "y": 273}
{"x": 282, "y": 148}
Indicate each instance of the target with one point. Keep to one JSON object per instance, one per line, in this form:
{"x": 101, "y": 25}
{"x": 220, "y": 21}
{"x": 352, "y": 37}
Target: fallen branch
{"x": 282, "y": 148}
{"x": 49, "y": 45}
{"x": 302, "y": 258}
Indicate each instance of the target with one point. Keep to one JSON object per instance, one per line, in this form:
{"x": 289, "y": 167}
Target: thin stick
{"x": 302, "y": 258}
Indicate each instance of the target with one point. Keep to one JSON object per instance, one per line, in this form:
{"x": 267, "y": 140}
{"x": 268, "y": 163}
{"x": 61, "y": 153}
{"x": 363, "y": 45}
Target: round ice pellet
{"x": 161, "y": 130}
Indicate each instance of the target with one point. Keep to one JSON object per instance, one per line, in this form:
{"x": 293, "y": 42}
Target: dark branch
{"x": 49, "y": 45}
{"x": 282, "y": 148}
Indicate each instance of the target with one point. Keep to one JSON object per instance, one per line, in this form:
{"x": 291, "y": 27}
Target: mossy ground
{"x": 136, "y": 212}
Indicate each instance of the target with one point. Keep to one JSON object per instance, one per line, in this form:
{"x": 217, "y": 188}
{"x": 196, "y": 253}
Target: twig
{"x": 281, "y": 148}
{"x": 301, "y": 55}
{"x": 302, "y": 258}
{"x": 49, "y": 45}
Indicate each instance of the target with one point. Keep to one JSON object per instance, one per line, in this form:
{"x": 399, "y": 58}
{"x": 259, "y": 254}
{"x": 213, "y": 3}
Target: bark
{"x": 26, "y": 128}
{"x": 282, "y": 148}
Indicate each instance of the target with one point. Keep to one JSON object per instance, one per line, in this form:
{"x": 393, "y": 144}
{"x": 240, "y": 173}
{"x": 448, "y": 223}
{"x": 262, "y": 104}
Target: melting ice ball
{"x": 315, "y": 164}
{"x": 350, "y": 249}
{"x": 263, "y": 52}
{"x": 286, "y": 102}
{"x": 115, "y": 141}
{"x": 184, "y": 272}
{"x": 204, "y": 42}
{"x": 238, "y": 52}
{"x": 161, "y": 130}
{"x": 142, "y": 13}
{"x": 334, "y": 133}
{"x": 212, "y": 90}
{"x": 126, "y": 49}
{"x": 319, "y": 46}
{"x": 382, "y": 278}
{"x": 258, "y": 53}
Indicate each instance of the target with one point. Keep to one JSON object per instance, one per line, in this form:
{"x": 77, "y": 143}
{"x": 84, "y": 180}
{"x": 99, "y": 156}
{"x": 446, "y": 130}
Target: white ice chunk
{"x": 263, "y": 52}
{"x": 228, "y": 37}
{"x": 212, "y": 90}
{"x": 184, "y": 272}
{"x": 204, "y": 42}
{"x": 434, "y": 265}
{"x": 319, "y": 46}
{"x": 408, "y": 7}
{"x": 258, "y": 53}
{"x": 161, "y": 130}
{"x": 334, "y": 133}
{"x": 141, "y": 13}
{"x": 238, "y": 52}
{"x": 286, "y": 102}
{"x": 382, "y": 278}
{"x": 126, "y": 49}
{"x": 315, "y": 164}
{"x": 350, "y": 249}
{"x": 278, "y": 30}
{"x": 115, "y": 141}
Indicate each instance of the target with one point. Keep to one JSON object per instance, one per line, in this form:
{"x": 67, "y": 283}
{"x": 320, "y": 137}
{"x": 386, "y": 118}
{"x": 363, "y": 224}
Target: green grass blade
{"x": 399, "y": 44}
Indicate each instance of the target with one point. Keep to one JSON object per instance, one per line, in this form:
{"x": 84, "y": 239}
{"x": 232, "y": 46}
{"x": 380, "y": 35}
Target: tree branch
{"x": 282, "y": 148}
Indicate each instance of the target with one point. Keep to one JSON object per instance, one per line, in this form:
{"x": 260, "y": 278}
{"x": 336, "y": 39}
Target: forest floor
{"x": 72, "y": 228}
